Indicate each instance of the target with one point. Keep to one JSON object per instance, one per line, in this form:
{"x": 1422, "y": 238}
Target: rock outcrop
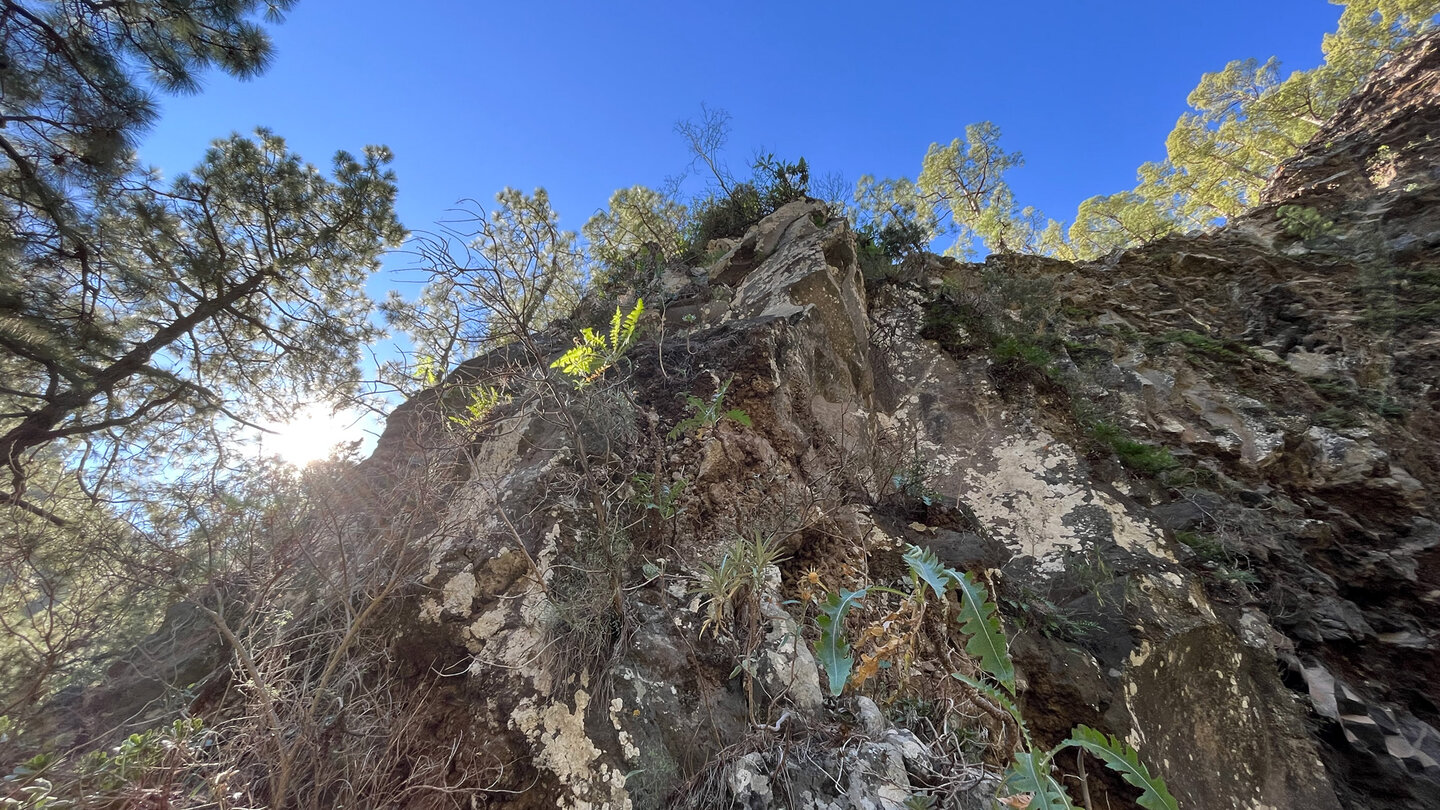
{"x": 1199, "y": 475}
{"x": 1199, "y": 478}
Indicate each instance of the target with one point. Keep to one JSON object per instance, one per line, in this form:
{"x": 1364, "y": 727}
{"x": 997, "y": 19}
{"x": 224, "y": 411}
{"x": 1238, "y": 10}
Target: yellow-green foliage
{"x": 637, "y": 216}
{"x": 1243, "y": 120}
{"x": 594, "y": 353}
{"x": 483, "y": 399}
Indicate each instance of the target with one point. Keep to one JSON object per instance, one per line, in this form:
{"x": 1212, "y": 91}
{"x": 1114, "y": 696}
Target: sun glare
{"x": 312, "y": 435}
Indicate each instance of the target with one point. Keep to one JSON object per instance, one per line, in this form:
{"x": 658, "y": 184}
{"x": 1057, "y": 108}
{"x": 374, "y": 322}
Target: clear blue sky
{"x": 582, "y": 97}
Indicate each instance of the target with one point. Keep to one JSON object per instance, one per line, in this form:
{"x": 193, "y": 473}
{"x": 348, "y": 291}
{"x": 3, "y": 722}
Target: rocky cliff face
{"x": 1199, "y": 477}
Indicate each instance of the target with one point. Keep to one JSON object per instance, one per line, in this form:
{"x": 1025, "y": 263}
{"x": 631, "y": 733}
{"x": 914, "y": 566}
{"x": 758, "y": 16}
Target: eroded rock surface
{"x": 1198, "y": 476}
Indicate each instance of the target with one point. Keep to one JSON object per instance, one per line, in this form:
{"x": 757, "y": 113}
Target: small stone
{"x": 871, "y": 719}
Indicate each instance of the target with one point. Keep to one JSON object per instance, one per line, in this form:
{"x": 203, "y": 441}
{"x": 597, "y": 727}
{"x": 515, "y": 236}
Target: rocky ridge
{"x": 1198, "y": 476}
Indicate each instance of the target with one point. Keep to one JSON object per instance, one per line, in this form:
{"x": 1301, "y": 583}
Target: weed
{"x": 1146, "y": 459}
{"x": 1089, "y": 571}
{"x": 1303, "y": 221}
{"x": 1202, "y": 346}
{"x": 153, "y": 762}
{"x": 1338, "y": 419}
{"x": 586, "y": 600}
{"x": 1086, "y": 354}
{"x": 990, "y": 308}
{"x": 1206, "y": 547}
{"x": 1238, "y": 576}
{"x": 911, "y": 482}
{"x": 741, "y": 572}
{"x": 658, "y": 495}
{"x": 1217, "y": 559}
{"x": 1401, "y": 297}
{"x": 732, "y": 590}
{"x": 706, "y": 414}
{"x": 1029, "y": 781}
{"x": 1019, "y": 351}
{"x": 1042, "y": 614}
{"x": 1350, "y": 397}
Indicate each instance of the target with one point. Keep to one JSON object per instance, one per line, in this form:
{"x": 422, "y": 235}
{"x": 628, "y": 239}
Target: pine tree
{"x": 1243, "y": 122}
{"x": 142, "y": 321}
{"x": 134, "y": 313}
{"x": 494, "y": 277}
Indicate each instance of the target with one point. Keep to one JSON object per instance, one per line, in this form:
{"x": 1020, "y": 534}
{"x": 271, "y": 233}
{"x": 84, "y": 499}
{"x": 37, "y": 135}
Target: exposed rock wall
{"x": 1207, "y": 507}
{"x": 1198, "y": 476}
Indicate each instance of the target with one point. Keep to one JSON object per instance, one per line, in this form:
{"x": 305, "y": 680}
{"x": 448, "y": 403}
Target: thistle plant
{"x": 1029, "y": 781}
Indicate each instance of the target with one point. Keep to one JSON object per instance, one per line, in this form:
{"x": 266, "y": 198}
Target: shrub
{"x": 706, "y": 414}
{"x": 895, "y": 239}
{"x": 740, "y": 207}
{"x": 1303, "y": 221}
{"x": 1023, "y": 352}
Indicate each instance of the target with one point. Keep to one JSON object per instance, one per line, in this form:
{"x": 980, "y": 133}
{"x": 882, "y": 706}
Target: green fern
{"x": 483, "y": 399}
{"x": 594, "y": 353}
{"x": 834, "y": 649}
{"x": 1125, "y": 761}
{"x": 979, "y": 620}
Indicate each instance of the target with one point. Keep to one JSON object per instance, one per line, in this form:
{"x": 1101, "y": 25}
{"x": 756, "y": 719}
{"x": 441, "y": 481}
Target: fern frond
{"x": 632, "y": 323}
{"x": 595, "y": 353}
{"x": 615, "y": 322}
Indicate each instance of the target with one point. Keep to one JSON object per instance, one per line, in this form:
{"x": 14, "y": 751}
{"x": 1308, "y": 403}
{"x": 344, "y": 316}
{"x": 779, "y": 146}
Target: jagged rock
{"x": 833, "y": 381}
{"x": 1245, "y": 391}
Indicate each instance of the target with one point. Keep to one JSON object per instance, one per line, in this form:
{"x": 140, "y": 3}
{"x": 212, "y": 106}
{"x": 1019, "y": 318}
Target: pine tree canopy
{"x": 134, "y": 312}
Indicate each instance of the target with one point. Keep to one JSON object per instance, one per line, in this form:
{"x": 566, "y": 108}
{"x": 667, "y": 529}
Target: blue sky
{"x": 582, "y": 98}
